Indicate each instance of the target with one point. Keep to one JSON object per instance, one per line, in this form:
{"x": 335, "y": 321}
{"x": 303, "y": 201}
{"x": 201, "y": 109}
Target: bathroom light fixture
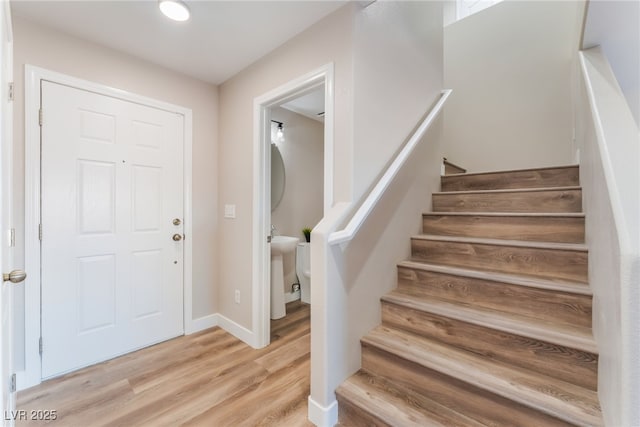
{"x": 174, "y": 9}
{"x": 280, "y": 131}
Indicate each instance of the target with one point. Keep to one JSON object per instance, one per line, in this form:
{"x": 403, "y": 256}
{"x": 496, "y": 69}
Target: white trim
{"x": 376, "y": 193}
{"x": 187, "y": 222}
{"x": 33, "y": 75}
{"x": 7, "y": 254}
{"x": 323, "y": 416}
{"x": 202, "y": 323}
{"x": 261, "y": 191}
{"x": 291, "y": 296}
{"x": 236, "y": 330}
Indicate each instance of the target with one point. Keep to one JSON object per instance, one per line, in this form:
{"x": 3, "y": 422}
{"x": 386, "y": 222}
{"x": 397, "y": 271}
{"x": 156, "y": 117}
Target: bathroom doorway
{"x": 297, "y": 169}
{"x": 288, "y": 107}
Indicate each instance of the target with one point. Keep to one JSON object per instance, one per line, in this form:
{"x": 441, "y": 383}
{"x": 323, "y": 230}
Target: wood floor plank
{"x": 191, "y": 380}
{"x": 276, "y": 390}
{"x": 547, "y": 200}
{"x": 286, "y": 355}
{"x": 542, "y": 394}
{"x": 545, "y": 260}
{"x": 543, "y": 228}
{"x": 553, "y": 305}
{"x": 557, "y": 360}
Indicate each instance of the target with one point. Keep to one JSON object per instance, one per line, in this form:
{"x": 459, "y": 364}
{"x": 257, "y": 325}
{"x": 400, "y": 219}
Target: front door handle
{"x": 16, "y": 276}
{"x": 177, "y": 237}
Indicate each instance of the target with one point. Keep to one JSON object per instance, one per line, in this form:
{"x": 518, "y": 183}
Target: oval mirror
{"x": 277, "y": 177}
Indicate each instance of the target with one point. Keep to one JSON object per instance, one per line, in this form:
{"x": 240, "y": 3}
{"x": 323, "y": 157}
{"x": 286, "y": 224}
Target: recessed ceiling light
{"x": 174, "y": 9}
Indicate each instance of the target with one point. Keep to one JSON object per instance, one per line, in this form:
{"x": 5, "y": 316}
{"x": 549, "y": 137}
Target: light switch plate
{"x": 229, "y": 211}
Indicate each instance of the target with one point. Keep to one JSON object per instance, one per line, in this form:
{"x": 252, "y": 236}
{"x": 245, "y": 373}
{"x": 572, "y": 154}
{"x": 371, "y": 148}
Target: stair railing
{"x": 360, "y": 216}
{"x": 331, "y": 333}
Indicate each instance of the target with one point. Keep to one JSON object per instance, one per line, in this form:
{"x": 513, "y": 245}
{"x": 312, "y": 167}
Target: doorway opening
{"x": 267, "y": 108}
{"x": 297, "y": 167}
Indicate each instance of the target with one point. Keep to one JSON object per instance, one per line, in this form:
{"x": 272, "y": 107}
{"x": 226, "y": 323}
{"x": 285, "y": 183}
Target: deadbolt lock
{"x": 176, "y": 221}
{"x": 177, "y": 237}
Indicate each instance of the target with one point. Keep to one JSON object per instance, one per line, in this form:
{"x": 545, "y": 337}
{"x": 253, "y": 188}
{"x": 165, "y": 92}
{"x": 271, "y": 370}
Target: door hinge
{"x": 40, "y": 232}
{"x": 12, "y": 238}
{"x": 40, "y": 346}
{"x": 40, "y": 117}
{"x": 11, "y": 94}
{"x": 12, "y": 383}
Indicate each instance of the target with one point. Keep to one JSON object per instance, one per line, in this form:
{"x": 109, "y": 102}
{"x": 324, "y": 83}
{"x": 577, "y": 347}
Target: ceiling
{"x": 310, "y": 105}
{"x": 220, "y": 39}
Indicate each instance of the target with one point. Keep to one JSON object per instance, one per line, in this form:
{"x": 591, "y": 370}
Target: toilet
{"x": 303, "y": 270}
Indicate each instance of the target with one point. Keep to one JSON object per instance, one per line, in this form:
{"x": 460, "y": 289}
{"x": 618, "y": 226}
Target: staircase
{"x": 491, "y": 321}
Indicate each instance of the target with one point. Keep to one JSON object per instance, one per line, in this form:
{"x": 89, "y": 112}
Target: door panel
{"x": 111, "y": 186}
{"x": 96, "y": 194}
{"x": 147, "y": 271}
{"x": 147, "y": 198}
{"x": 96, "y": 281}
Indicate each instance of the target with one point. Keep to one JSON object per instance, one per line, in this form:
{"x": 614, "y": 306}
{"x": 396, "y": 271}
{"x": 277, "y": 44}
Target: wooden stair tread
{"x": 557, "y": 398}
{"x": 491, "y": 320}
{"x": 509, "y": 190}
{"x": 525, "y": 178}
{"x": 515, "y": 214}
{"x": 512, "y": 279}
{"x": 516, "y": 170}
{"x": 579, "y": 338}
{"x": 578, "y": 247}
{"x": 397, "y": 407}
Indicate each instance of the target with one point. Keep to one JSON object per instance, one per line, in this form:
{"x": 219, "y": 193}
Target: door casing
{"x": 7, "y": 234}
{"x": 261, "y": 262}
{"x": 32, "y": 375}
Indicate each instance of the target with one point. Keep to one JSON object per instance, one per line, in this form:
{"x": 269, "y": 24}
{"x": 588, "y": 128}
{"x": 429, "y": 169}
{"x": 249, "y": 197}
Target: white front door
{"x": 6, "y": 236}
{"x": 112, "y": 213}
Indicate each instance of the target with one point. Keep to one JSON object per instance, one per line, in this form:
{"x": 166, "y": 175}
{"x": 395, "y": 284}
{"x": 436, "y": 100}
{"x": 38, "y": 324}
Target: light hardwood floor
{"x": 207, "y": 379}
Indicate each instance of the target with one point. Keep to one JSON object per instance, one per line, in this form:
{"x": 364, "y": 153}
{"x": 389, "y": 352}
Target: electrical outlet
{"x": 237, "y": 296}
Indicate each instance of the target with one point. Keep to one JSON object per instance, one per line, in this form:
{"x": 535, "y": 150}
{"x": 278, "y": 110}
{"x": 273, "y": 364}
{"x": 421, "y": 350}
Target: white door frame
{"x": 32, "y": 375}
{"x": 261, "y": 291}
{"x": 7, "y": 236}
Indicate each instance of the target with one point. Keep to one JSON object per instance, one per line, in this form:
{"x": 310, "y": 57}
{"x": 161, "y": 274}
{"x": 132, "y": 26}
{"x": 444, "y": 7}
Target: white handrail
{"x": 376, "y": 193}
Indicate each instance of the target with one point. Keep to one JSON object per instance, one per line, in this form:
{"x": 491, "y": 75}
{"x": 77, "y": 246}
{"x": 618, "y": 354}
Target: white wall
{"x": 58, "y": 52}
{"x": 615, "y": 26}
{"x": 510, "y": 68}
{"x": 397, "y": 75}
{"x": 348, "y": 280}
{"x": 303, "y": 155}
{"x": 302, "y": 202}
{"x": 610, "y": 177}
{"x": 327, "y": 41}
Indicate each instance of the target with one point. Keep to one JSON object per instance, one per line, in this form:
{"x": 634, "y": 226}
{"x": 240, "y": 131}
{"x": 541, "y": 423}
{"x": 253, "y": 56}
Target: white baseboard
{"x": 201, "y": 323}
{"x": 217, "y": 319}
{"x": 323, "y": 416}
{"x": 236, "y": 330}
{"x": 24, "y": 380}
{"x": 291, "y": 296}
